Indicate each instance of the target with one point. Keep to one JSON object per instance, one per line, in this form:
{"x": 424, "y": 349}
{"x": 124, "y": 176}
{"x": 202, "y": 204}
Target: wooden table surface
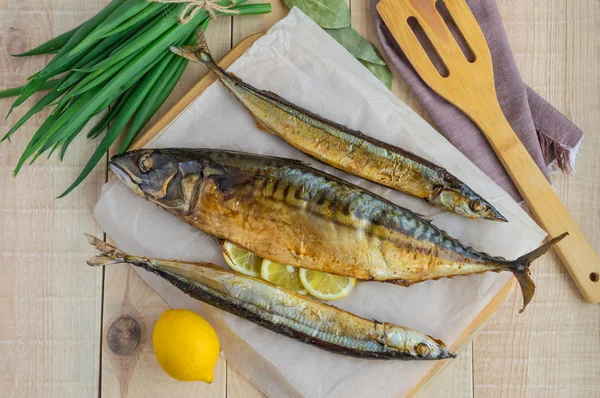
{"x": 55, "y": 311}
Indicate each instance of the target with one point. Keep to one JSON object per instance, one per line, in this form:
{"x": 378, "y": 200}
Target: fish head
{"x": 467, "y": 203}
{"x": 168, "y": 177}
{"x": 415, "y": 344}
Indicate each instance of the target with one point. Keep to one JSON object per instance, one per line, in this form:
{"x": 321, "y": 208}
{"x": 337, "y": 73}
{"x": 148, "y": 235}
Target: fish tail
{"x": 107, "y": 253}
{"x": 199, "y": 54}
{"x": 520, "y": 269}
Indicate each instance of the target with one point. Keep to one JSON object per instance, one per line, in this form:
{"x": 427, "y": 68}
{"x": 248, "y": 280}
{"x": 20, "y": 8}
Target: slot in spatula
{"x": 469, "y": 85}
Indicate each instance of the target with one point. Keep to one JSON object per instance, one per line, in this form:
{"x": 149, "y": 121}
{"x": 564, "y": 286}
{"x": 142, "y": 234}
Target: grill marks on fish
{"x": 283, "y": 311}
{"x": 374, "y": 229}
{"x": 351, "y": 208}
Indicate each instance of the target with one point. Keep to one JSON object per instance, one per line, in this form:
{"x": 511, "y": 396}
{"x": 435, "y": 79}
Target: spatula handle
{"x": 575, "y": 251}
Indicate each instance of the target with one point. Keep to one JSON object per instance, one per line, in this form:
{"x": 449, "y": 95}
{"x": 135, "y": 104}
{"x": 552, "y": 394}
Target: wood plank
{"x": 240, "y": 387}
{"x": 455, "y": 379}
{"x": 138, "y": 374}
{"x": 237, "y": 385}
{"x": 247, "y": 25}
{"x": 133, "y": 371}
{"x": 552, "y": 348}
{"x": 50, "y": 301}
{"x": 462, "y": 344}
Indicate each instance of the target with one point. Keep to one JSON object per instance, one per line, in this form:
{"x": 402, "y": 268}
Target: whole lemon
{"x": 186, "y": 346}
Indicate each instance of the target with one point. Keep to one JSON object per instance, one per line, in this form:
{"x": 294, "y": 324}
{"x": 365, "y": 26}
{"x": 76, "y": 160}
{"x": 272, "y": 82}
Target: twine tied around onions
{"x": 193, "y": 6}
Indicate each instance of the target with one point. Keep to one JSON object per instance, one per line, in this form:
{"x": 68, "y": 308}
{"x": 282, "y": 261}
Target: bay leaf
{"x": 332, "y": 14}
{"x": 382, "y": 72}
{"x": 356, "y": 45}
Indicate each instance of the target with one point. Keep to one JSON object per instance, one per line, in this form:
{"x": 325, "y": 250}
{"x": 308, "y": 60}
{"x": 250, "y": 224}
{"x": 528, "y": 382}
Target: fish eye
{"x": 476, "y": 205}
{"x": 422, "y": 350}
{"x": 145, "y": 162}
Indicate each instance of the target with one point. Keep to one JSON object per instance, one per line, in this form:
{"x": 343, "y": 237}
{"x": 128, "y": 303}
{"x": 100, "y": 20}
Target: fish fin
{"x": 200, "y": 53}
{"x": 201, "y": 40}
{"x": 293, "y": 161}
{"x": 275, "y": 96}
{"x": 424, "y": 217}
{"x": 278, "y": 159}
{"x": 107, "y": 253}
{"x": 440, "y": 343}
{"x": 187, "y": 52}
{"x": 261, "y": 126}
{"x": 520, "y": 269}
{"x": 221, "y": 242}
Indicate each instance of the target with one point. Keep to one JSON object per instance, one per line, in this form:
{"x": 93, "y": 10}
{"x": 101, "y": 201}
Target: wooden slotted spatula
{"x": 470, "y": 87}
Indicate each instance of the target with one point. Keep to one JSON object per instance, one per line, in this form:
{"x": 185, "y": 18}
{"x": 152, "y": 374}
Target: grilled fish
{"x": 349, "y": 150}
{"x": 290, "y": 213}
{"x": 283, "y": 311}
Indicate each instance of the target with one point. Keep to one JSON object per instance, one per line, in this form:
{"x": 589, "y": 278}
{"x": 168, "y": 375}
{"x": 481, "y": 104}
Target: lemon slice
{"x": 241, "y": 260}
{"x": 326, "y": 286}
{"x": 282, "y": 275}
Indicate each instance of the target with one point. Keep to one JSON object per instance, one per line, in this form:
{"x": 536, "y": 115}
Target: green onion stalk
{"x": 117, "y": 62}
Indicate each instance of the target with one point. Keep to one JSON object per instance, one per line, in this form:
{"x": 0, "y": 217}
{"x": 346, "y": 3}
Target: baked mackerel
{"x": 290, "y": 213}
{"x": 349, "y": 150}
{"x": 283, "y": 311}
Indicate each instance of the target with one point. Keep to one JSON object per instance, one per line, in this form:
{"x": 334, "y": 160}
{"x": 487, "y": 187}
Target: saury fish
{"x": 283, "y": 311}
{"x": 349, "y": 150}
{"x": 290, "y": 213}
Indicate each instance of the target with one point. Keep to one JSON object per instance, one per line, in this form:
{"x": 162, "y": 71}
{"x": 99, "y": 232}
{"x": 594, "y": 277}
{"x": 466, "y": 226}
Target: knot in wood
{"x": 16, "y": 41}
{"x": 124, "y": 335}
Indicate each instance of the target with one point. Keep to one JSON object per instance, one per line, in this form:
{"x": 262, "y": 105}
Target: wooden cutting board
{"x": 155, "y": 130}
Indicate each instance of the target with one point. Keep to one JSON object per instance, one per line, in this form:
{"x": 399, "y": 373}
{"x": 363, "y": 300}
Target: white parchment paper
{"x": 302, "y": 63}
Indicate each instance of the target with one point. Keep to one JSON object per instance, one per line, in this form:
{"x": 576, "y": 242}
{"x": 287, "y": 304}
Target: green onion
{"x": 115, "y": 86}
{"x": 127, "y": 10}
{"x": 150, "y": 34}
{"x": 248, "y": 9}
{"x": 62, "y": 59}
{"x": 118, "y": 61}
{"x": 156, "y": 97}
{"x": 41, "y": 104}
{"x": 64, "y": 124}
{"x": 120, "y": 121}
{"x": 51, "y": 46}
{"x": 98, "y": 77}
{"x": 99, "y": 52}
{"x": 38, "y": 134}
{"x": 149, "y": 12}
{"x": 68, "y": 80}
{"x": 13, "y": 92}
{"x": 61, "y": 63}
{"x": 108, "y": 117}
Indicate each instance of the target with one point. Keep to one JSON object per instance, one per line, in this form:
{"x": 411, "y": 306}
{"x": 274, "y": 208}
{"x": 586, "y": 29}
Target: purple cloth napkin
{"x": 545, "y": 132}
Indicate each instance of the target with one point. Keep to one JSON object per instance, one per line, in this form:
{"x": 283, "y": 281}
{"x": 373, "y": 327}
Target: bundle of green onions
{"x": 119, "y": 61}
